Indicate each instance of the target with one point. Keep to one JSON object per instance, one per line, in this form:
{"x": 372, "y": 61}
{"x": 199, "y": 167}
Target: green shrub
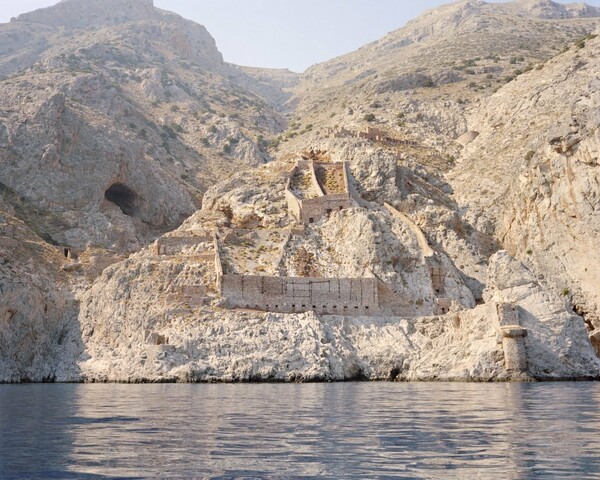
{"x": 369, "y": 117}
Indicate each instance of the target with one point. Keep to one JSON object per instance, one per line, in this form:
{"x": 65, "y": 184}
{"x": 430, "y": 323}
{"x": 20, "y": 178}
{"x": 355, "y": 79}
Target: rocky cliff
{"x": 542, "y": 199}
{"x": 140, "y": 174}
{"x": 100, "y": 96}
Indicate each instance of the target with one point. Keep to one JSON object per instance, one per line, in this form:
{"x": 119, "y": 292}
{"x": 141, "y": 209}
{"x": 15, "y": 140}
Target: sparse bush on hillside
{"x": 581, "y": 42}
{"x": 369, "y": 117}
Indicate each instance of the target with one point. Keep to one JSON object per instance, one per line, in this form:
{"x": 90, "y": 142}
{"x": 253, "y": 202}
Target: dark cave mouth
{"x": 124, "y": 198}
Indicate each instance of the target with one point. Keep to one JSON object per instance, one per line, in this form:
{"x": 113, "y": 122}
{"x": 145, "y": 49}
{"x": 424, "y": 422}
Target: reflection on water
{"x": 349, "y": 430}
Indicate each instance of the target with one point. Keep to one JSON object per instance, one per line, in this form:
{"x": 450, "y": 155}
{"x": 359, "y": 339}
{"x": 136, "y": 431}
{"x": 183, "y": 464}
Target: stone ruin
{"x": 315, "y": 190}
{"x": 343, "y": 296}
{"x": 513, "y": 338}
{"x": 196, "y": 247}
{"x": 185, "y": 295}
{"x": 366, "y": 296}
{"x": 373, "y": 134}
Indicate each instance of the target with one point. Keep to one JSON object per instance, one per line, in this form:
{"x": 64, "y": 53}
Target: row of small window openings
{"x": 314, "y": 307}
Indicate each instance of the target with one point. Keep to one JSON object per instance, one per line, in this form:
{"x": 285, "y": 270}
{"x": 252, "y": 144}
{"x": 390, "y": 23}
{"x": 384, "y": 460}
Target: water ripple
{"x": 350, "y": 430}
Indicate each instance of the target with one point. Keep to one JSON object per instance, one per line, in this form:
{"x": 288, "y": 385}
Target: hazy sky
{"x": 282, "y": 33}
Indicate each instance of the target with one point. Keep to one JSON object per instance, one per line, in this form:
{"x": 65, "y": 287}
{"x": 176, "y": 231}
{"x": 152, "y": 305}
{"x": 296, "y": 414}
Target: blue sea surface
{"x": 268, "y": 431}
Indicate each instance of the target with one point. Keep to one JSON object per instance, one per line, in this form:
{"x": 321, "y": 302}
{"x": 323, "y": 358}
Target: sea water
{"x": 339, "y": 430}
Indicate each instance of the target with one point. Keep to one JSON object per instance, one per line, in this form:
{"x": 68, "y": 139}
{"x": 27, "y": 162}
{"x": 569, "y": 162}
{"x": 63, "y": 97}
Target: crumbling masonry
{"x": 315, "y": 190}
{"x": 372, "y": 134}
{"x": 513, "y": 338}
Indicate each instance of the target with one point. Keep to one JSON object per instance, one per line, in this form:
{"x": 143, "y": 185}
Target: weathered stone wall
{"x": 437, "y": 280}
{"x": 507, "y": 314}
{"x": 372, "y": 133}
{"x": 313, "y": 177}
{"x": 189, "y": 295}
{"x": 313, "y": 209}
{"x": 293, "y": 204}
{"x": 356, "y": 296}
{"x": 515, "y": 349}
{"x": 172, "y": 245}
{"x": 513, "y": 337}
{"x": 390, "y": 303}
{"x": 442, "y": 306}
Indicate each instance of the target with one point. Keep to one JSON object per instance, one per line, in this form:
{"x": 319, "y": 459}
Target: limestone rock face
{"x": 543, "y": 197}
{"x": 38, "y": 312}
{"x": 153, "y": 114}
{"x": 554, "y": 10}
{"x": 138, "y": 171}
{"x": 84, "y": 13}
{"x": 135, "y": 330}
{"x": 557, "y": 339}
{"x": 140, "y": 340}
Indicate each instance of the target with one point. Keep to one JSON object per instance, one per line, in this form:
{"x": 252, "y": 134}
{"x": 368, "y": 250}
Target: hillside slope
{"x": 138, "y": 100}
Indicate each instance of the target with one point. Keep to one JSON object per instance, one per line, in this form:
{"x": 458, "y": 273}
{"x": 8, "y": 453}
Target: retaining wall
{"x": 350, "y": 296}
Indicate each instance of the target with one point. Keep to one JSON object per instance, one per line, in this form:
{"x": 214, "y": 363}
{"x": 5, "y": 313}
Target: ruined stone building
{"x": 370, "y": 133}
{"x": 334, "y": 296}
{"x": 247, "y": 261}
{"x": 197, "y": 248}
{"x": 249, "y": 286}
{"x": 375, "y": 134}
{"x": 315, "y": 190}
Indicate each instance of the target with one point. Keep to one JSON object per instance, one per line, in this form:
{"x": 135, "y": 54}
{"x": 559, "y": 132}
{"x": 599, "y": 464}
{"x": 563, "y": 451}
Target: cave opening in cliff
{"x": 124, "y": 198}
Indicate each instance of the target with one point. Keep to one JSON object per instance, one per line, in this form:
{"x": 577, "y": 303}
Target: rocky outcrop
{"x": 542, "y": 198}
{"x": 85, "y": 13}
{"x": 39, "y": 336}
{"x": 136, "y": 340}
{"x": 134, "y": 332}
{"x": 93, "y": 117}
